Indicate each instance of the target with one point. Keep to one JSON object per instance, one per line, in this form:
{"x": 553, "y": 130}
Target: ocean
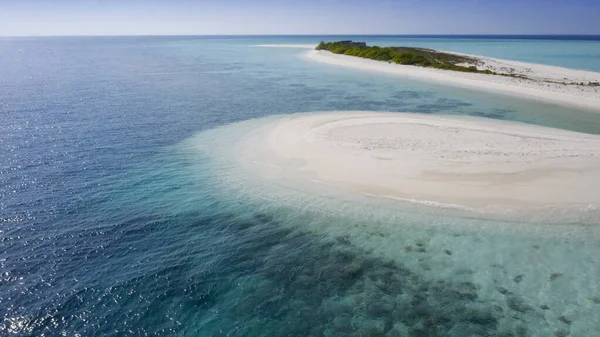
{"x": 120, "y": 214}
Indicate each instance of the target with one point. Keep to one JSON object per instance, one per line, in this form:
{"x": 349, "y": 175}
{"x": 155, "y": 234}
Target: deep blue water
{"x": 109, "y": 227}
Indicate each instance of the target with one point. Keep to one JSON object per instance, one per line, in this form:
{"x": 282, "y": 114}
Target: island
{"x": 406, "y": 55}
{"x": 424, "y": 57}
{"x": 548, "y": 83}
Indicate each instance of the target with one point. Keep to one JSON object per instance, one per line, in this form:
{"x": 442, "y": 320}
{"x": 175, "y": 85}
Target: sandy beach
{"x": 447, "y": 160}
{"x": 538, "y": 85}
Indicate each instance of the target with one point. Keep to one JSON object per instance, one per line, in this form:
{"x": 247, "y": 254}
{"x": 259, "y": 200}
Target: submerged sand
{"x": 443, "y": 160}
{"x": 283, "y": 167}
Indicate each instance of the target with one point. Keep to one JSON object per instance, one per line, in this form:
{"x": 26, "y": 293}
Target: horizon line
{"x": 307, "y": 35}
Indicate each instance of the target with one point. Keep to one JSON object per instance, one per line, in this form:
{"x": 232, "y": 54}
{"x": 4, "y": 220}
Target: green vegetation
{"x": 404, "y": 55}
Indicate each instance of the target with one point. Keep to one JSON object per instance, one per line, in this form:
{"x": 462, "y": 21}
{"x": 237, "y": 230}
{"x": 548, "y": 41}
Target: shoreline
{"x": 430, "y": 160}
{"x": 587, "y": 97}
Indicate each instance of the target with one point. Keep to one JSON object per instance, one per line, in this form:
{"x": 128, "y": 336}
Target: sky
{"x": 282, "y": 17}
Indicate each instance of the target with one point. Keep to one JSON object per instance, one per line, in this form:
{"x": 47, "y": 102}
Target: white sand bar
{"x": 536, "y": 86}
{"x": 475, "y": 162}
{"x": 288, "y": 45}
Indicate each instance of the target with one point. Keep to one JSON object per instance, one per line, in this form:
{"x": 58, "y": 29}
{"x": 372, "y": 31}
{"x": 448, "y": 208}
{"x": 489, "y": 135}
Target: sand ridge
{"x": 463, "y": 161}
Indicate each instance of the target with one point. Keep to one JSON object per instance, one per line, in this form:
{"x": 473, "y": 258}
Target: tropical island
{"x": 427, "y": 58}
{"x": 405, "y": 55}
{"x": 548, "y": 83}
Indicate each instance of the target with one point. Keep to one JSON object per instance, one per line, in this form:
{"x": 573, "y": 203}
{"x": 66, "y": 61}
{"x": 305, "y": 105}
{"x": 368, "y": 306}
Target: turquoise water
{"x": 121, "y": 213}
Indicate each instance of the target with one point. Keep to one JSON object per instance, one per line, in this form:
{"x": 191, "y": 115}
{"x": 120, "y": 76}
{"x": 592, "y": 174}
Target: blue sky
{"x": 138, "y": 17}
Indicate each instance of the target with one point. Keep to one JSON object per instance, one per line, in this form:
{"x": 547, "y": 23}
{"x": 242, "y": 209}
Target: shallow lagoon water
{"x": 121, "y": 217}
{"x": 445, "y": 249}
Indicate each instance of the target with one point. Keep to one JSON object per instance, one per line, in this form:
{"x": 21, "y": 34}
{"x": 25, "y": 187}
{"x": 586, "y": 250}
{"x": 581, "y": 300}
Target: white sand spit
{"x": 289, "y": 45}
{"x": 537, "y": 85}
{"x": 442, "y": 160}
